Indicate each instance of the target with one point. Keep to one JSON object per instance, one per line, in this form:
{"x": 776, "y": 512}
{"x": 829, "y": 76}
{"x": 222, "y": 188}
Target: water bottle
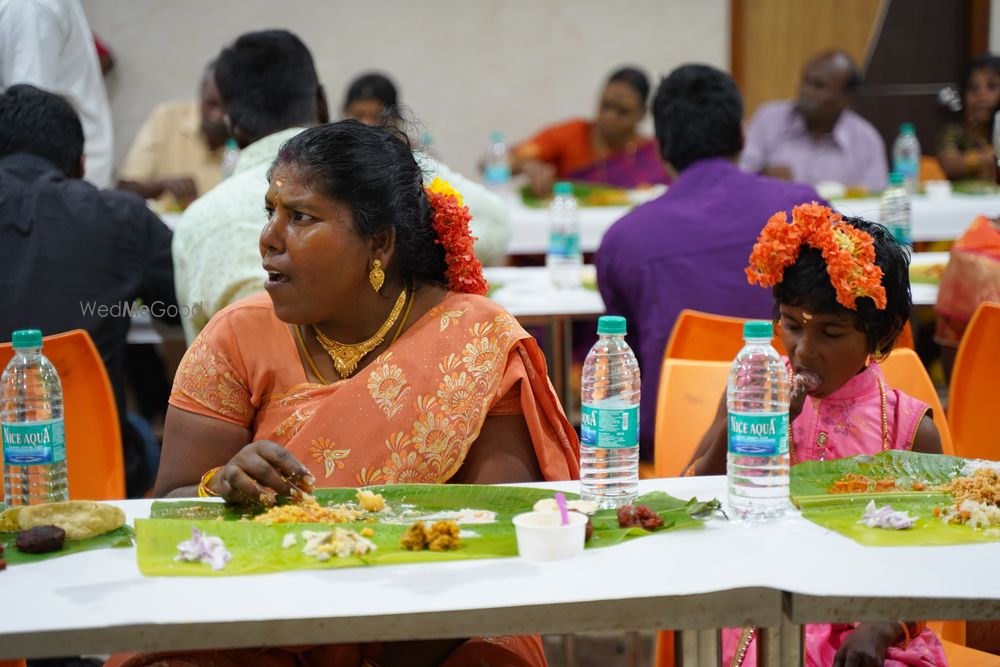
{"x": 496, "y": 171}
{"x": 906, "y": 157}
{"x": 757, "y": 404}
{"x": 894, "y": 210}
{"x": 230, "y": 155}
{"x": 31, "y": 421}
{"x": 609, "y": 442}
{"x": 564, "y": 259}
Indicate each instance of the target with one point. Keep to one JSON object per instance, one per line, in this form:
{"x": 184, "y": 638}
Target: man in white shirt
{"x": 48, "y": 44}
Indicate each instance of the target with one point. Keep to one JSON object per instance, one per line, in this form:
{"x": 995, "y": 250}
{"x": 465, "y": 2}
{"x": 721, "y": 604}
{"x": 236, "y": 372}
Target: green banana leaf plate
{"x": 119, "y": 537}
{"x": 257, "y": 548}
{"x": 841, "y": 512}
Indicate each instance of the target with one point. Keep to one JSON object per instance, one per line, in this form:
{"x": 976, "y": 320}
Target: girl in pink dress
{"x": 842, "y": 296}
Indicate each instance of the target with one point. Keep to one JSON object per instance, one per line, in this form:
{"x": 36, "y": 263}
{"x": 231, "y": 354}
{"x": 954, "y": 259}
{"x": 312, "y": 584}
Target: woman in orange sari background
{"x": 374, "y": 358}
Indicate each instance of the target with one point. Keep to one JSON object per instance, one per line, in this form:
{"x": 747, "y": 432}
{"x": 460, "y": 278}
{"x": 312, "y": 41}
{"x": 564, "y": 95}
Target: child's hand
{"x": 867, "y": 645}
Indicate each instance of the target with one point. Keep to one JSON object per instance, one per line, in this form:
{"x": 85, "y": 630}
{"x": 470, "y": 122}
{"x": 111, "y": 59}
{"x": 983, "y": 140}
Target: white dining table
{"x": 934, "y": 219}
{"x": 725, "y": 574}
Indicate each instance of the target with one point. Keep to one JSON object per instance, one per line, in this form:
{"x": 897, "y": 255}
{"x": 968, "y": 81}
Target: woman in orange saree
{"x": 449, "y": 389}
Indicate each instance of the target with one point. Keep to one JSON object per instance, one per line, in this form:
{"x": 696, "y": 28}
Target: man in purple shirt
{"x": 688, "y": 248}
{"x": 817, "y": 138}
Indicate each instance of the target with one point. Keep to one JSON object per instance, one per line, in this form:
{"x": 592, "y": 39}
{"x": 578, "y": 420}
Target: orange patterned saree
{"x": 410, "y": 416}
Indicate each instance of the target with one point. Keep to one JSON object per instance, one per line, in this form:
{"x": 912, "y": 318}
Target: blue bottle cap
{"x": 758, "y": 329}
{"x": 896, "y": 178}
{"x": 907, "y": 128}
{"x": 611, "y": 324}
{"x": 563, "y": 188}
{"x": 496, "y": 137}
{"x": 25, "y": 338}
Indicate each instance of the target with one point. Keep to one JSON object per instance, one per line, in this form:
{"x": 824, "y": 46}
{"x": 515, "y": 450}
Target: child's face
{"x": 825, "y": 346}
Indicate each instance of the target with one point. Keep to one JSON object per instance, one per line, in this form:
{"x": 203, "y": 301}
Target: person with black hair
{"x": 374, "y": 357}
{"x": 73, "y": 251}
{"x": 372, "y": 99}
{"x": 817, "y": 138}
{"x": 687, "y": 248}
{"x": 608, "y": 150}
{"x": 841, "y": 291}
{"x": 965, "y": 150}
{"x": 270, "y": 91}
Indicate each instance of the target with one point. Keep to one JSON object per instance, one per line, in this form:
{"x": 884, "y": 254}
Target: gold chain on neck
{"x": 347, "y": 355}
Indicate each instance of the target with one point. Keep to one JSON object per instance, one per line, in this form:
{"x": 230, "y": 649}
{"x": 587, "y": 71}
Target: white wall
{"x": 464, "y": 67}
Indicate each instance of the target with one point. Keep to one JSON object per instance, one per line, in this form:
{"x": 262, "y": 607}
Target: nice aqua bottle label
{"x": 608, "y": 428}
{"x": 755, "y": 434}
{"x": 34, "y": 443}
{"x": 564, "y": 245}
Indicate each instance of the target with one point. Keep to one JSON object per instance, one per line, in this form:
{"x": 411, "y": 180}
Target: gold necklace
{"x": 407, "y": 295}
{"x": 347, "y": 355}
{"x": 822, "y": 437}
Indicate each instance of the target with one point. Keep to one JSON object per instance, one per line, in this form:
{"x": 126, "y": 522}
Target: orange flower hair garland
{"x": 849, "y": 253}
{"x": 451, "y": 222}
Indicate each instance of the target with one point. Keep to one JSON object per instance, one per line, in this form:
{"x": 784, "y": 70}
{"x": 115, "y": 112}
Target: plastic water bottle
{"x": 757, "y": 403}
{"x": 906, "y": 156}
{"x": 894, "y": 210}
{"x": 31, "y": 420}
{"x": 609, "y": 445}
{"x": 496, "y": 171}
{"x": 564, "y": 259}
{"x": 230, "y": 155}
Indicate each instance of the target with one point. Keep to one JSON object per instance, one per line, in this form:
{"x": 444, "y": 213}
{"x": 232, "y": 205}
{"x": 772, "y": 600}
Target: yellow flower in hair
{"x": 442, "y": 187}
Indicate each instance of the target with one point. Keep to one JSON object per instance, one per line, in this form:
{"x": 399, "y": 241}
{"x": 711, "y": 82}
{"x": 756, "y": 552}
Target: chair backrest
{"x": 686, "y": 403}
{"x": 706, "y": 336}
{"x": 93, "y": 437}
{"x": 930, "y": 169}
{"x": 698, "y": 335}
{"x": 975, "y": 384}
{"x": 903, "y": 370}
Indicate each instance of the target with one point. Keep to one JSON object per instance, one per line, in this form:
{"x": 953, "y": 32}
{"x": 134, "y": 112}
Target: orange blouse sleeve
{"x": 211, "y": 379}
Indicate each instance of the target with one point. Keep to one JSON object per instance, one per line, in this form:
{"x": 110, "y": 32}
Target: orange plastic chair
{"x": 93, "y": 438}
{"x": 903, "y": 370}
{"x": 13, "y": 663}
{"x": 975, "y": 383}
{"x": 930, "y": 169}
{"x": 686, "y": 403}
{"x": 698, "y": 335}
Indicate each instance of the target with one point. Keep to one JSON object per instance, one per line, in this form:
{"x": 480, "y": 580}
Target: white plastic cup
{"x": 937, "y": 189}
{"x": 541, "y": 535}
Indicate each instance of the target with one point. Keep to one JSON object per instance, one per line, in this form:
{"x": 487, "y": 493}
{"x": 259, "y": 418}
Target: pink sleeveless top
{"x": 848, "y": 422}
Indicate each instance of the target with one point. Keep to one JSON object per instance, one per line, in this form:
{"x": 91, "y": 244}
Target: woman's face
{"x": 316, "y": 262}
{"x": 982, "y": 96}
{"x": 370, "y": 111}
{"x": 825, "y": 347}
{"x": 619, "y": 112}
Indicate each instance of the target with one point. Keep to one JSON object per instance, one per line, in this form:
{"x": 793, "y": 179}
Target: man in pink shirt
{"x": 816, "y": 137}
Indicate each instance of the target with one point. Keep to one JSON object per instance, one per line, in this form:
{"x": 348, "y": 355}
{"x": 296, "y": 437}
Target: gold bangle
{"x": 203, "y": 490}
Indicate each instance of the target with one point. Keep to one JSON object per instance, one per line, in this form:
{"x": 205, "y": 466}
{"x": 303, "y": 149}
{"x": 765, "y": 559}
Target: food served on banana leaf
{"x": 339, "y": 542}
{"x": 856, "y": 483}
{"x": 81, "y": 519}
{"x": 886, "y": 517}
{"x": 203, "y": 548}
{"x": 639, "y": 516}
{"x": 308, "y": 510}
{"x": 41, "y": 539}
{"x": 442, "y": 536}
{"x": 977, "y": 497}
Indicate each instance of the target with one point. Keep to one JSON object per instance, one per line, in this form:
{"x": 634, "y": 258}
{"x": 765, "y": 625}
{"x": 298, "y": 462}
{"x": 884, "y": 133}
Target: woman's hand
{"x": 259, "y": 473}
{"x": 867, "y": 645}
{"x": 541, "y": 177}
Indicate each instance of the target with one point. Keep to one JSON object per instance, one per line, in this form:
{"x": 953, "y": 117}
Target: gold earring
{"x": 376, "y": 276}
